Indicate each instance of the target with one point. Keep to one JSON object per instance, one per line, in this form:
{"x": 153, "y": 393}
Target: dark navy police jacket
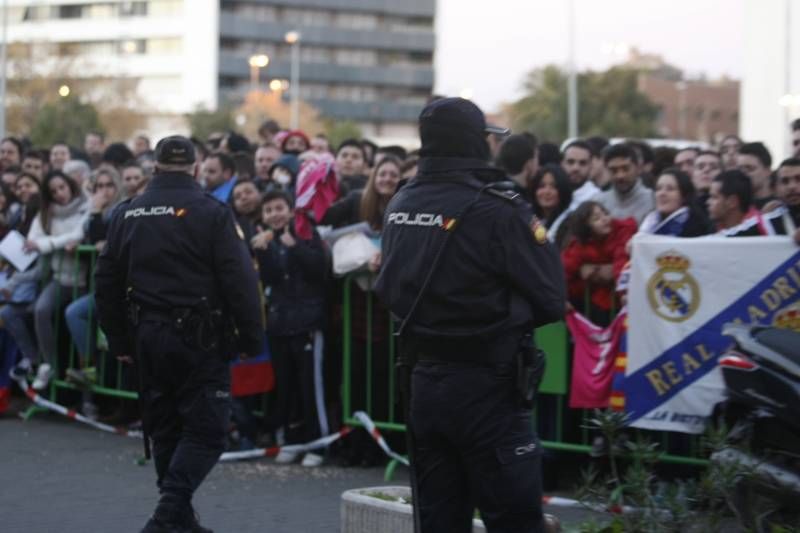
{"x": 173, "y": 246}
{"x": 498, "y": 272}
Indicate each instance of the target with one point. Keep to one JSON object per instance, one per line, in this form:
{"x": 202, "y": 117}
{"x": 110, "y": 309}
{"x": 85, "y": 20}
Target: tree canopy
{"x": 609, "y": 105}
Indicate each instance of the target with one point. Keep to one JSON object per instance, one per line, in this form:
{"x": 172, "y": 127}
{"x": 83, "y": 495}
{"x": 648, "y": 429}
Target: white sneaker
{"x": 43, "y": 376}
{"x": 285, "y": 458}
{"x": 312, "y": 460}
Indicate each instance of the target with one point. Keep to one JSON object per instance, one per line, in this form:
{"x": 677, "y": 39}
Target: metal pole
{"x": 4, "y": 61}
{"x": 787, "y": 82}
{"x": 295, "y": 85}
{"x": 572, "y": 86}
{"x": 253, "y": 77}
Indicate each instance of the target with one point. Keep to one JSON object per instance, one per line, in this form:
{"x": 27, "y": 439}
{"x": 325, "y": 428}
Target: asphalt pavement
{"x": 61, "y": 476}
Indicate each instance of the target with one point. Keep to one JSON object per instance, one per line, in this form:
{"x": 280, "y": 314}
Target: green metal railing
{"x": 554, "y": 390}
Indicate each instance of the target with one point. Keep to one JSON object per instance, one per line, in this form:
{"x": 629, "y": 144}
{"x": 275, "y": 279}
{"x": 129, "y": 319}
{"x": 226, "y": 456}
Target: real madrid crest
{"x": 673, "y": 293}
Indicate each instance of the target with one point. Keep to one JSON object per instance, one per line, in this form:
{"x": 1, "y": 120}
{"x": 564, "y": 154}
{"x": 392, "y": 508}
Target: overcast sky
{"x": 487, "y": 46}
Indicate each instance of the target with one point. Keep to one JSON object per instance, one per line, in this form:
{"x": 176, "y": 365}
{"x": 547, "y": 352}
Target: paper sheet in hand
{"x": 11, "y": 250}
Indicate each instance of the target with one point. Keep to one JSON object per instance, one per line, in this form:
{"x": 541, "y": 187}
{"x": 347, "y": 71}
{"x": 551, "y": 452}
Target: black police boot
{"x": 154, "y": 525}
{"x": 194, "y": 523}
{"x": 171, "y": 516}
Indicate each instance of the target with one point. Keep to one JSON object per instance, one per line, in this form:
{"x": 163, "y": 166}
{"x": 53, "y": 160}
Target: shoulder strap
{"x": 491, "y": 188}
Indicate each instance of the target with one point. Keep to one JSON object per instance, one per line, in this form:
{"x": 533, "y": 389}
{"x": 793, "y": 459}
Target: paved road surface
{"x": 60, "y": 476}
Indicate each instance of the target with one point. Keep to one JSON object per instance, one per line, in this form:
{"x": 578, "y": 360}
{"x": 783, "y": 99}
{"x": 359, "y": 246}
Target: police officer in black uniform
{"x": 468, "y": 271}
{"x": 176, "y": 287}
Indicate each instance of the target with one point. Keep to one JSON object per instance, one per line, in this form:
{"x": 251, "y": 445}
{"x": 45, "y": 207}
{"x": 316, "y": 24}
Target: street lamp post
{"x": 293, "y": 39}
{"x": 572, "y": 79}
{"x": 256, "y": 63}
{"x": 3, "y": 62}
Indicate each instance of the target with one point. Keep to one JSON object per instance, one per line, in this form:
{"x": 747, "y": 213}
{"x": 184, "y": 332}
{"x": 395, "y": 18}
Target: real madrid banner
{"x": 681, "y": 293}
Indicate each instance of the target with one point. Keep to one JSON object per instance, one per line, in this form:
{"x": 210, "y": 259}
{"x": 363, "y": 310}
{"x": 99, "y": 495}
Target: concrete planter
{"x": 362, "y": 513}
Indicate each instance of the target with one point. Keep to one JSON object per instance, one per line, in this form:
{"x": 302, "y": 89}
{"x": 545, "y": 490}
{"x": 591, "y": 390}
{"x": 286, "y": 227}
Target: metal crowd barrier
{"x": 564, "y": 429}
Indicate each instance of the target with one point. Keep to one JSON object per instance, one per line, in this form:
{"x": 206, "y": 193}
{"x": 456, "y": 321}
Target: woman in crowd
{"x": 55, "y": 233}
{"x": 106, "y": 188}
{"x": 367, "y": 205}
{"x": 676, "y": 212}
{"x": 26, "y": 191}
{"x": 551, "y": 192}
{"x": 595, "y": 257}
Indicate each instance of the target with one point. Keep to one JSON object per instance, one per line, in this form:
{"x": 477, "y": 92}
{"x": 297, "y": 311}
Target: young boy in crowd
{"x": 294, "y": 271}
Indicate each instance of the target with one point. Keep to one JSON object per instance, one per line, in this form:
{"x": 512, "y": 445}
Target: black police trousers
{"x": 474, "y": 447}
{"x": 186, "y": 409}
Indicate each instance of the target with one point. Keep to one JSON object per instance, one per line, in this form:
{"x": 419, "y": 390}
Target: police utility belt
{"x": 518, "y": 349}
{"x": 200, "y": 326}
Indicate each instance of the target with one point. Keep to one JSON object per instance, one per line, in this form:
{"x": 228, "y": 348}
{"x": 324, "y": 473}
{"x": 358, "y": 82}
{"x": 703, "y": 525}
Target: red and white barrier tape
{"x": 369, "y": 425}
{"x": 323, "y": 442}
{"x": 72, "y": 414}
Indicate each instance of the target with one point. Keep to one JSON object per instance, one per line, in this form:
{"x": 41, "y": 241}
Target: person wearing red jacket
{"x": 595, "y": 257}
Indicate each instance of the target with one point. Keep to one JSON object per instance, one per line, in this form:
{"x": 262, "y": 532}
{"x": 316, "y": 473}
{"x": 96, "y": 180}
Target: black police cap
{"x": 457, "y": 114}
{"x": 175, "y": 150}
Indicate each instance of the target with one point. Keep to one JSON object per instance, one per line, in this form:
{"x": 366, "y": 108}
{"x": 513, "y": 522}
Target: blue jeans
{"x": 14, "y": 317}
{"x": 77, "y": 317}
{"x": 44, "y": 343}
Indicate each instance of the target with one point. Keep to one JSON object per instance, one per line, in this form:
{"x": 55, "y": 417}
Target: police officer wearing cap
{"x": 468, "y": 272}
{"x": 177, "y": 290}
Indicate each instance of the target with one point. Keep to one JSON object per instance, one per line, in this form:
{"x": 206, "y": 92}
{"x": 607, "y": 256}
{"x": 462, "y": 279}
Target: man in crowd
{"x": 176, "y": 312}
{"x": 10, "y": 153}
{"x": 518, "y": 157}
{"x": 34, "y": 163}
{"x": 628, "y": 197}
{"x": 707, "y": 166}
{"x": 646, "y": 157}
{"x": 218, "y": 176}
{"x": 730, "y": 198}
{"x": 755, "y": 160}
{"x": 685, "y": 157}
{"x": 577, "y": 163}
{"x": 94, "y": 145}
{"x": 267, "y": 131}
{"x": 266, "y": 155}
{"x": 351, "y": 164}
{"x": 787, "y": 188}
{"x": 320, "y": 144}
{"x": 141, "y": 145}
{"x": 728, "y": 150}
{"x": 598, "y": 174}
{"x": 59, "y": 154}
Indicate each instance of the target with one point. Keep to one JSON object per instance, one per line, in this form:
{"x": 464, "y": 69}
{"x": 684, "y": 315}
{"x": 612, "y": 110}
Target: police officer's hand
{"x": 99, "y": 245}
{"x": 262, "y": 240}
{"x": 5, "y": 294}
{"x": 71, "y": 246}
{"x": 287, "y": 239}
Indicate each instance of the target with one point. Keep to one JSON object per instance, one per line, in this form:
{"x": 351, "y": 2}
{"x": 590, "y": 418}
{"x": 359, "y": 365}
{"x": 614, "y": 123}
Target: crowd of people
{"x": 287, "y": 188}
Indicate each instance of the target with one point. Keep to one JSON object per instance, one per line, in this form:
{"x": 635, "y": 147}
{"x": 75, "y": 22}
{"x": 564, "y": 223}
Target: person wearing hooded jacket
{"x": 496, "y": 278}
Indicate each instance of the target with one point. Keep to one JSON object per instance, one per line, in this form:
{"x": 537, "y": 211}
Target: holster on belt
{"x": 530, "y": 366}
